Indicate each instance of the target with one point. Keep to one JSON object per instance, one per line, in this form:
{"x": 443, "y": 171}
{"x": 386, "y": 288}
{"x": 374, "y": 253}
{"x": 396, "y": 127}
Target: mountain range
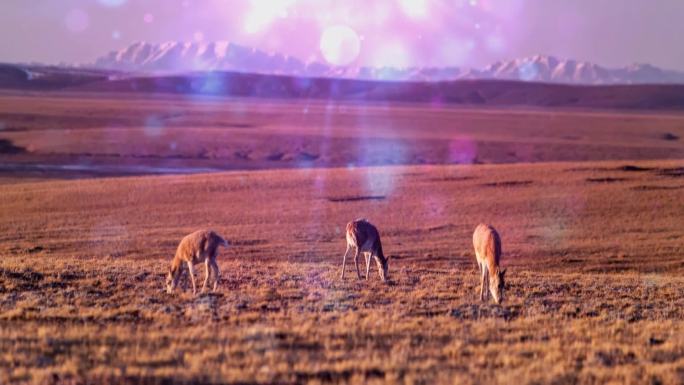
{"x": 181, "y": 57}
{"x": 473, "y": 92}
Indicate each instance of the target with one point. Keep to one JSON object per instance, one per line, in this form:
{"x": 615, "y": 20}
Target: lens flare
{"x": 416, "y": 9}
{"x": 393, "y": 54}
{"x": 528, "y": 71}
{"x": 380, "y": 181}
{"x": 340, "y": 45}
{"x": 112, "y": 3}
{"x": 263, "y": 13}
{"x": 462, "y": 151}
{"x": 153, "y": 126}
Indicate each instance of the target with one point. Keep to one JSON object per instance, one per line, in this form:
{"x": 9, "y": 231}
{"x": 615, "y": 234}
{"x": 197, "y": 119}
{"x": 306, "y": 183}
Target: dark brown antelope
{"x": 198, "y": 247}
{"x": 364, "y": 238}
{"x": 487, "y": 245}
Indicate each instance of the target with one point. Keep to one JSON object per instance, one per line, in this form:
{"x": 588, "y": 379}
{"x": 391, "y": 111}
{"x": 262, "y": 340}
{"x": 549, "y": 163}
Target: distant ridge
{"x": 225, "y": 56}
{"x": 485, "y": 92}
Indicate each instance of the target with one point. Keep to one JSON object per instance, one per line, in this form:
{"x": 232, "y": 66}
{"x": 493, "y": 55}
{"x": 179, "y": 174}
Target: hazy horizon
{"x": 462, "y": 33}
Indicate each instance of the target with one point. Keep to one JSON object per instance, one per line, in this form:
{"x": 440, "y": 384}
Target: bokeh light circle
{"x": 416, "y": 9}
{"x": 340, "y": 45}
{"x": 112, "y": 3}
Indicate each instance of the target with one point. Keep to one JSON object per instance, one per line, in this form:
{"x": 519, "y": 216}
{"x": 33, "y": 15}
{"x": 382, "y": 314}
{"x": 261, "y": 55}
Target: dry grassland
{"x": 141, "y": 134}
{"x": 594, "y": 250}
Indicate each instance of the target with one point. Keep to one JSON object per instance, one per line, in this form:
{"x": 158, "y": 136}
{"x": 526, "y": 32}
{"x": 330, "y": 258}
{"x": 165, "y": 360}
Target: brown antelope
{"x": 364, "y": 238}
{"x": 487, "y": 245}
{"x": 200, "y": 246}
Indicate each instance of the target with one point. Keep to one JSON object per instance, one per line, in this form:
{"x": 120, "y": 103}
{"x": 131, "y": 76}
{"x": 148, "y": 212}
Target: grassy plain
{"x": 590, "y": 206}
{"x": 104, "y": 134}
{"x": 595, "y": 252}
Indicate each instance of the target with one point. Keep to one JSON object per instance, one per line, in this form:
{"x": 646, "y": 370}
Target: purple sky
{"x": 469, "y": 33}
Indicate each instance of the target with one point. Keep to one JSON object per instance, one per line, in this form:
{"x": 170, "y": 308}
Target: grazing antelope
{"x": 487, "y": 245}
{"x": 364, "y": 238}
{"x": 200, "y": 246}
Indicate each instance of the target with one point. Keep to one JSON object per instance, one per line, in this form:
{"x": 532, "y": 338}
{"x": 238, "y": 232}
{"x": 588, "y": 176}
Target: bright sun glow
{"x": 262, "y": 13}
{"x": 416, "y": 9}
{"x": 340, "y": 45}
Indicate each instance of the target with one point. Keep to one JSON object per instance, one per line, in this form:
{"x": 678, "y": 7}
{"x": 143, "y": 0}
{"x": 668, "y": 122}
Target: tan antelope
{"x": 487, "y": 245}
{"x": 200, "y": 246}
{"x": 364, "y": 238}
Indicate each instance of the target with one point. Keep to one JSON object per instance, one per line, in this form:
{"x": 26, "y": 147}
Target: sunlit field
{"x": 593, "y": 248}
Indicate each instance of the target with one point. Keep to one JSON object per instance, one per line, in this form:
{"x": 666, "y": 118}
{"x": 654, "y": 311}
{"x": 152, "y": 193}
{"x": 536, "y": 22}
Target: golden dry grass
{"x": 594, "y": 254}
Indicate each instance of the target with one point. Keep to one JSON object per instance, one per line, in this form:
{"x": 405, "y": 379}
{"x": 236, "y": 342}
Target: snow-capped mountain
{"x": 553, "y": 70}
{"x": 225, "y": 56}
{"x": 548, "y": 69}
{"x": 176, "y": 56}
